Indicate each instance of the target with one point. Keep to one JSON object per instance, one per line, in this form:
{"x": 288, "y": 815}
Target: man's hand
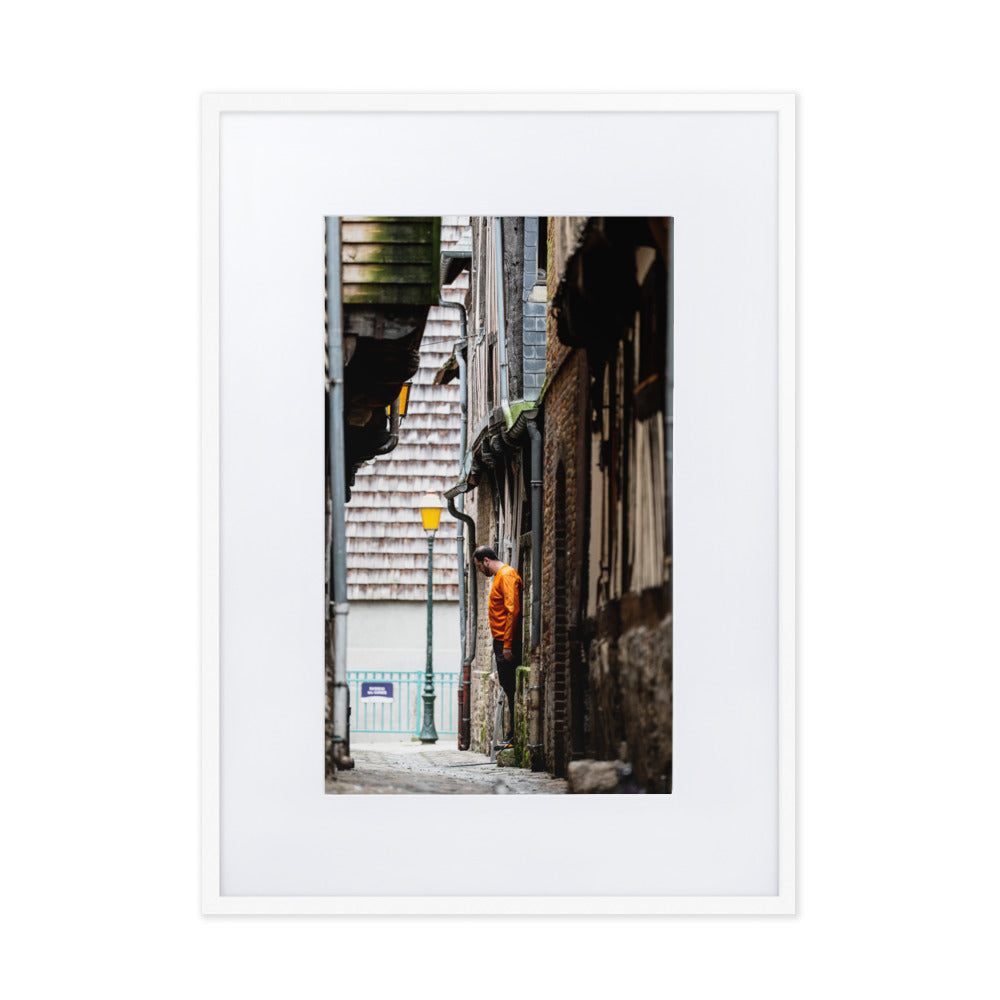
{"x": 508, "y": 655}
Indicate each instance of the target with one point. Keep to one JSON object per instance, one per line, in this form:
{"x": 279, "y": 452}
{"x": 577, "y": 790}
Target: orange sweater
{"x": 505, "y": 604}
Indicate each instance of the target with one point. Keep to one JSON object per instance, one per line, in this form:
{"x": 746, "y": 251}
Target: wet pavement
{"x": 415, "y": 768}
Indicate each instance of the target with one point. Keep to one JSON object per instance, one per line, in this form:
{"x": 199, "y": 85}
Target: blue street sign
{"x": 376, "y": 691}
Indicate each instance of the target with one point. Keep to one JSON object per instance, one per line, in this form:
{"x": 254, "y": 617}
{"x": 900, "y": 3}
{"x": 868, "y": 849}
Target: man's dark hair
{"x": 483, "y": 552}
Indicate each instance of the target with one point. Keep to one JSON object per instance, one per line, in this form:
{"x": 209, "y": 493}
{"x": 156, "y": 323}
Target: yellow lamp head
{"x": 404, "y": 395}
{"x": 430, "y": 511}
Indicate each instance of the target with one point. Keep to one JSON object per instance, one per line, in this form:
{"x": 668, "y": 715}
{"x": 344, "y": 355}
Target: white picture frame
{"x": 275, "y": 165}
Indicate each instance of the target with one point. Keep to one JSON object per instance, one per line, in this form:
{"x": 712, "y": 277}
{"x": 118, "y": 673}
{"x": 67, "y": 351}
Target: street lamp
{"x": 430, "y": 514}
{"x": 404, "y": 395}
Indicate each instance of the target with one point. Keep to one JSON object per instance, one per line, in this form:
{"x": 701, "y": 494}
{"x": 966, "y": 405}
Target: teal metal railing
{"x": 400, "y": 709}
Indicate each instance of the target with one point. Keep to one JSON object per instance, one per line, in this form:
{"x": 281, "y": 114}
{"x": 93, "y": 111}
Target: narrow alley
{"x": 413, "y": 768}
{"x": 499, "y": 437}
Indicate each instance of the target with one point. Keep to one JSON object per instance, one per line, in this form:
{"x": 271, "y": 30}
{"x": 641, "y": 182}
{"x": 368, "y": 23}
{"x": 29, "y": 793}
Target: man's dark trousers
{"x": 507, "y": 672}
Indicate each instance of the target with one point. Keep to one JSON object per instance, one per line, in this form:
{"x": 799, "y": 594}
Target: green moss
{"x": 517, "y": 408}
{"x": 391, "y": 260}
{"x": 519, "y": 755}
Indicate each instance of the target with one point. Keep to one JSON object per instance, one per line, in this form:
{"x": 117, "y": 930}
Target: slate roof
{"x": 386, "y": 544}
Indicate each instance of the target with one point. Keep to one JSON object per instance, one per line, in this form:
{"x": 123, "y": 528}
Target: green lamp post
{"x": 430, "y": 514}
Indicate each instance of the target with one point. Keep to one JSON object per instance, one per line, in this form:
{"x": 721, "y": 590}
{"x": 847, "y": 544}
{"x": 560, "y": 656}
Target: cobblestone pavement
{"x": 414, "y": 768}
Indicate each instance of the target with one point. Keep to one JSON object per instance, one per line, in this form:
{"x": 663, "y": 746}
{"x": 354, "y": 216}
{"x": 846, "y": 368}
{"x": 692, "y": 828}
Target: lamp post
{"x": 430, "y": 514}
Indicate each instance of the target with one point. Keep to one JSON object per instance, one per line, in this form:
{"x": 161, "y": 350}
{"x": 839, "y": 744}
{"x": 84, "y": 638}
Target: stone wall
{"x": 632, "y": 683}
{"x": 484, "y": 688}
{"x": 482, "y": 683}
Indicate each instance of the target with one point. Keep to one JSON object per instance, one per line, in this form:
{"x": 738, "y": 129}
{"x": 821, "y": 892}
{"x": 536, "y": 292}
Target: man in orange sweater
{"x": 505, "y": 621}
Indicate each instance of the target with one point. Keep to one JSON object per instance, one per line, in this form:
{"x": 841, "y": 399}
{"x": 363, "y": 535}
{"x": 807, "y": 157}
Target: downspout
{"x": 536, "y": 532}
{"x": 465, "y": 724}
{"x": 338, "y": 489}
{"x": 455, "y": 509}
{"x": 501, "y": 318}
{"x": 460, "y": 505}
{"x": 535, "y": 706}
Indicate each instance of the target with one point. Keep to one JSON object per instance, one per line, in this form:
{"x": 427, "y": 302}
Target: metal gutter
{"x": 456, "y": 507}
{"x": 536, "y": 530}
{"x": 465, "y": 720}
{"x": 338, "y": 489}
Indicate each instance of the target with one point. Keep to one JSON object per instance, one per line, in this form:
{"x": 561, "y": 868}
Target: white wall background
{"x": 898, "y": 354}
{"x": 392, "y": 635}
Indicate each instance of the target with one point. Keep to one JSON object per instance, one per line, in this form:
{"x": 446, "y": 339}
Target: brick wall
{"x": 564, "y": 515}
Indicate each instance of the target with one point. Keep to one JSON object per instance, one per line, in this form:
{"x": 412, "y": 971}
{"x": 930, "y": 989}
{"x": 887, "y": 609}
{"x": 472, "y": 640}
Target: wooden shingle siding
{"x": 385, "y": 293}
{"x": 383, "y": 253}
{"x": 390, "y": 261}
{"x": 386, "y": 544}
{"x": 383, "y": 229}
{"x": 398, "y": 274}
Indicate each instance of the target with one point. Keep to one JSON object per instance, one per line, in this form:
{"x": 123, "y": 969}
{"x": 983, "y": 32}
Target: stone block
{"x": 601, "y": 777}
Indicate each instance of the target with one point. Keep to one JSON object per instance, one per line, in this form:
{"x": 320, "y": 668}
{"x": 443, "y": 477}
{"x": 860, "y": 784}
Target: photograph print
{"x": 499, "y": 402}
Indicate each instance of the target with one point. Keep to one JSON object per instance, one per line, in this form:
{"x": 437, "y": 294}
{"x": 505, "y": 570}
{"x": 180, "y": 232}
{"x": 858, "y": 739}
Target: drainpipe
{"x": 456, "y": 511}
{"x": 463, "y": 565}
{"x": 338, "y": 489}
{"x": 465, "y": 726}
{"x": 668, "y": 415}
{"x": 535, "y": 704}
{"x": 536, "y": 532}
{"x": 501, "y": 318}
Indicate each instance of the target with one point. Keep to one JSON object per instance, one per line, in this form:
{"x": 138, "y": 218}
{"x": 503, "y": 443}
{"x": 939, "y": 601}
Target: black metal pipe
{"x": 460, "y": 351}
{"x": 338, "y": 489}
{"x": 536, "y": 532}
{"x": 464, "y": 567}
{"x": 465, "y": 723}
